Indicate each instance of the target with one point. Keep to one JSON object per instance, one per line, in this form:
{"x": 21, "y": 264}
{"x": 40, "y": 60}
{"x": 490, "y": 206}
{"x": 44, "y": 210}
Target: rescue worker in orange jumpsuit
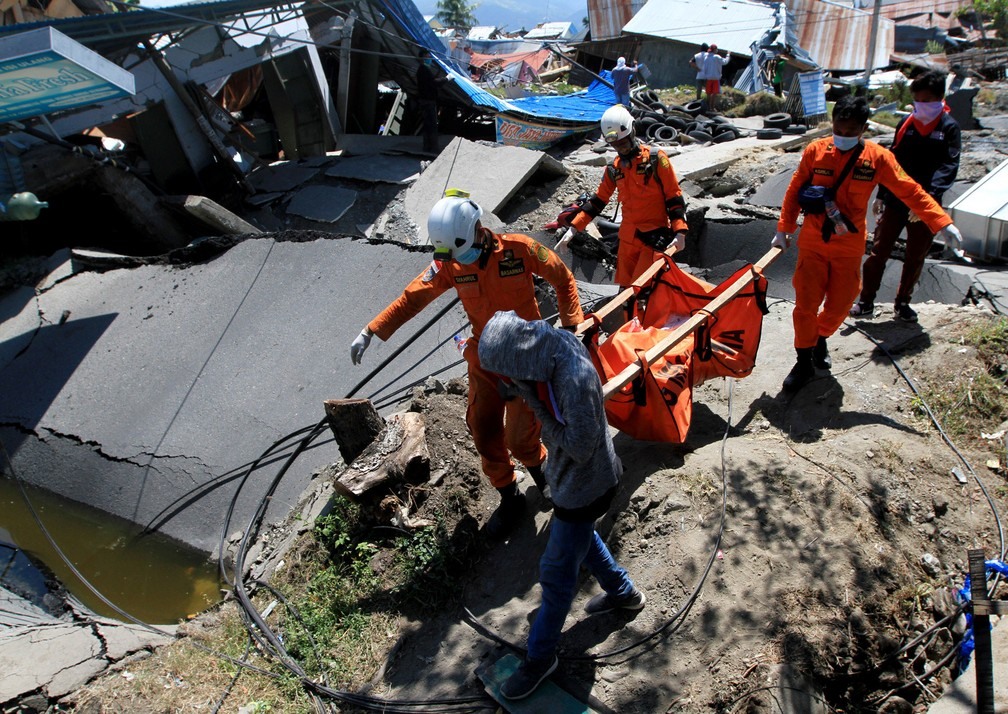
{"x": 654, "y": 210}
{"x": 827, "y": 277}
{"x": 490, "y": 272}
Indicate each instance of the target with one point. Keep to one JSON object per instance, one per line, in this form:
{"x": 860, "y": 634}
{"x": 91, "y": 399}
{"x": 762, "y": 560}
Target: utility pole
{"x": 872, "y": 41}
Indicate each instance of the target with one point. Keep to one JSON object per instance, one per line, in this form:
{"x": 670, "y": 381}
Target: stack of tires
{"x": 777, "y": 125}
{"x": 669, "y": 124}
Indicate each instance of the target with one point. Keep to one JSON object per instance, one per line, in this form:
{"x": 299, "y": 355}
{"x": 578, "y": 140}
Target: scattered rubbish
{"x": 992, "y": 437}
{"x": 960, "y": 477}
{"x": 993, "y": 464}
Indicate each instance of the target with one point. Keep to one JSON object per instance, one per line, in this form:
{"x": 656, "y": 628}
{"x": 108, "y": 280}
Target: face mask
{"x": 927, "y": 112}
{"x": 845, "y": 143}
{"x": 469, "y": 257}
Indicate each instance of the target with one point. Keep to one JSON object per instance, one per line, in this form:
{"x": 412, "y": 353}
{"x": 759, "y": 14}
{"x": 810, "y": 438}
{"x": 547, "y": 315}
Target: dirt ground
{"x": 798, "y": 554}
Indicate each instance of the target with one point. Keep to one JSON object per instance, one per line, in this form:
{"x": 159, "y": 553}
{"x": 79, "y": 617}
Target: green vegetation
{"x": 997, "y": 11}
{"x": 933, "y": 47}
{"x": 975, "y": 398}
{"x": 887, "y": 118}
{"x": 457, "y": 14}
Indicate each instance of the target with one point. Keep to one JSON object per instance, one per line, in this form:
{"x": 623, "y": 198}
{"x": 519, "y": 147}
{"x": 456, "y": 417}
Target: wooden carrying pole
{"x": 626, "y": 294}
{"x": 630, "y": 372}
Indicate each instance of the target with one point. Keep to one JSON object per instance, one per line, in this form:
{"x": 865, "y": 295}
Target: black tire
{"x": 644, "y": 122}
{"x": 652, "y": 130}
{"x": 666, "y": 134}
{"x": 691, "y": 127}
{"x": 777, "y": 120}
{"x": 677, "y": 108}
{"x": 724, "y": 129}
{"x": 694, "y": 108}
{"x": 718, "y": 119}
{"x": 797, "y": 129}
{"x": 657, "y": 116}
{"x": 701, "y": 136}
{"x": 649, "y": 96}
{"x": 724, "y": 136}
{"x": 773, "y": 133}
{"x": 678, "y": 122}
{"x": 657, "y": 107}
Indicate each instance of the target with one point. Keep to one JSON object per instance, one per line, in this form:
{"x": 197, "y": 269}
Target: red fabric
{"x": 658, "y": 406}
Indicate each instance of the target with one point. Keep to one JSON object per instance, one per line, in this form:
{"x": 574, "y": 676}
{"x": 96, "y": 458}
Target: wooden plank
{"x": 548, "y": 697}
{"x": 216, "y": 216}
{"x": 630, "y": 372}
{"x": 624, "y": 295}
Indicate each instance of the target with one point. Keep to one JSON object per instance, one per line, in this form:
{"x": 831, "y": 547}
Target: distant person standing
{"x": 427, "y": 93}
{"x": 779, "y": 63}
{"x": 621, "y": 74}
{"x": 927, "y": 147}
{"x": 697, "y": 63}
{"x": 712, "y": 65}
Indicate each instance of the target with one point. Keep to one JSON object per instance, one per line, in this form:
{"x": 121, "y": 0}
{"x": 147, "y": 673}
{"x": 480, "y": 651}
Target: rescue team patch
{"x": 507, "y": 268}
{"x": 616, "y": 173}
{"x": 540, "y": 251}
{"x": 863, "y": 171}
{"x": 432, "y": 270}
{"x": 468, "y": 278}
{"x": 823, "y": 172}
{"x": 663, "y": 161}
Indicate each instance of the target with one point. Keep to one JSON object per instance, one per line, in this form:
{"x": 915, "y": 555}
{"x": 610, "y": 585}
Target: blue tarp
{"x": 581, "y": 107}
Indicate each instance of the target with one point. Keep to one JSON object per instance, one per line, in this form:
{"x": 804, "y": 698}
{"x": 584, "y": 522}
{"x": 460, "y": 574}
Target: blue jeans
{"x": 623, "y": 98}
{"x": 570, "y": 545}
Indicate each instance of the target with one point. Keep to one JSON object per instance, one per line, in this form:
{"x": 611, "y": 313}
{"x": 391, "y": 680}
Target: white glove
{"x": 781, "y": 240}
{"x": 952, "y": 238}
{"x": 679, "y": 242}
{"x": 564, "y": 240}
{"x": 359, "y": 345}
{"x": 877, "y": 207}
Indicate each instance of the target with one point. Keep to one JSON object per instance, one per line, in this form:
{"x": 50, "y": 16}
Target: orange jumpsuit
{"x": 497, "y": 427}
{"x": 651, "y": 199}
{"x": 828, "y": 274}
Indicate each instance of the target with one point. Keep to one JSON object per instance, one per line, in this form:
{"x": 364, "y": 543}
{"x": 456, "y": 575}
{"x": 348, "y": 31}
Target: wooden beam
{"x": 626, "y": 294}
{"x": 631, "y": 371}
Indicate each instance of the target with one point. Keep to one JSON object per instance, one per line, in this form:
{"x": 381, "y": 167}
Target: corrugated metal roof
{"x": 607, "y": 17}
{"x": 837, "y": 36}
{"x": 562, "y": 30}
{"x": 923, "y": 13}
{"x": 732, "y": 25}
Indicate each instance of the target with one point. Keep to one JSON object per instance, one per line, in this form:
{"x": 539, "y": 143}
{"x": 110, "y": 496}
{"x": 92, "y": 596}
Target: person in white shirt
{"x": 697, "y": 63}
{"x": 713, "y": 62}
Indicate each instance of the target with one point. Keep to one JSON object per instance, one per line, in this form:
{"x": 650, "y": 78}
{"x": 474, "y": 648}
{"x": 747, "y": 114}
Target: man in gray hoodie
{"x": 553, "y": 373}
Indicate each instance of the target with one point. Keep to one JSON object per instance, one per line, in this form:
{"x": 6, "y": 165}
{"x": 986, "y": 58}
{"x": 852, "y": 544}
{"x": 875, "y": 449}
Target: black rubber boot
{"x": 802, "y": 372}
{"x": 820, "y": 355}
{"x": 508, "y": 514}
{"x": 536, "y": 472}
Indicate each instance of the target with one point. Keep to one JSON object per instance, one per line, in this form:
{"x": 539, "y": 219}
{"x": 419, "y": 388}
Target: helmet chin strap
{"x": 484, "y": 235}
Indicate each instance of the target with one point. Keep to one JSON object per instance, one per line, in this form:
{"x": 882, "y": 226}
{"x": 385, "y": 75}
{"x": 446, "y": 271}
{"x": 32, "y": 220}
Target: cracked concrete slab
{"x": 377, "y": 169}
{"x": 322, "y": 203}
{"x": 282, "y": 176}
{"x": 166, "y": 382}
{"x": 491, "y": 173}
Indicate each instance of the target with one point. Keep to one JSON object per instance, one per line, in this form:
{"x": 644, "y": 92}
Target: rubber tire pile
{"x": 777, "y": 125}
{"x": 669, "y": 124}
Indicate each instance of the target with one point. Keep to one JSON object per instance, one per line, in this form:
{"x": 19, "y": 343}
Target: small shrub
{"x": 887, "y": 118}
{"x": 761, "y": 104}
{"x": 933, "y": 47}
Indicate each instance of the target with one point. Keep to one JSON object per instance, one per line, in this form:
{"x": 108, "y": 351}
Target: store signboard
{"x": 43, "y": 71}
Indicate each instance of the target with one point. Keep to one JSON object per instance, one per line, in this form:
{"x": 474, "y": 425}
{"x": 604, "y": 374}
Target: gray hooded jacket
{"x": 582, "y": 466}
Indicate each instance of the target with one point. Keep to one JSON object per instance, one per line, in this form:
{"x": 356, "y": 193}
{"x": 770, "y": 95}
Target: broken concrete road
{"x": 146, "y": 392}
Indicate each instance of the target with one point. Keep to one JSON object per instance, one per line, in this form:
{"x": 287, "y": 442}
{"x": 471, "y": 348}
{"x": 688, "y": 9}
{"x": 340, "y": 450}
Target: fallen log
{"x": 399, "y": 453}
{"x": 677, "y": 335}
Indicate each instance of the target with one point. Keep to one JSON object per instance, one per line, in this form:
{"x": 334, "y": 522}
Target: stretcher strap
{"x": 639, "y": 390}
{"x": 702, "y": 348}
{"x": 759, "y": 284}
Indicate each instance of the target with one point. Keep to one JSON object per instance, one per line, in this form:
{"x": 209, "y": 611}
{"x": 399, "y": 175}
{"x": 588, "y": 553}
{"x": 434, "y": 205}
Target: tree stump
{"x": 355, "y": 423}
{"x": 400, "y": 452}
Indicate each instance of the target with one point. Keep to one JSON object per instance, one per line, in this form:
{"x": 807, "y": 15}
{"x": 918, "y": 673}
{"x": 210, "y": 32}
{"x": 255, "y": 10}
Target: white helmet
{"x": 616, "y": 124}
{"x": 451, "y": 227}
